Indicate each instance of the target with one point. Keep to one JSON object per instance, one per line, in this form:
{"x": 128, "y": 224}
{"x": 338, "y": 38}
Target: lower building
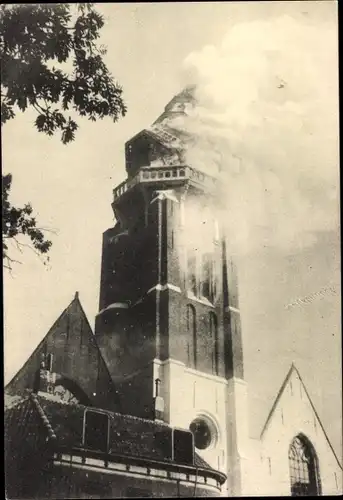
{"x": 58, "y": 449}
{"x": 63, "y": 440}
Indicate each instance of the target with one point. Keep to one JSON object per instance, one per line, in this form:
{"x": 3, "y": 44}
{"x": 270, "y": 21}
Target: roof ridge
{"x": 317, "y": 416}
{"x": 44, "y": 418}
{"x": 292, "y": 369}
{"x": 276, "y": 400}
{"x": 39, "y": 345}
{"x": 92, "y": 338}
{"x": 96, "y": 408}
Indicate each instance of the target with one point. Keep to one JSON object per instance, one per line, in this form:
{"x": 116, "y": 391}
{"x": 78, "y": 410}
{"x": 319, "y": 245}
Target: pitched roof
{"x": 11, "y": 384}
{"x": 164, "y": 129}
{"x": 23, "y": 379}
{"x": 294, "y": 370}
{"x": 16, "y": 412}
{"x": 131, "y": 440}
{"x": 132, "y": 436}
{"x": 129, "y": 436}
{"x": 178, "y": 104}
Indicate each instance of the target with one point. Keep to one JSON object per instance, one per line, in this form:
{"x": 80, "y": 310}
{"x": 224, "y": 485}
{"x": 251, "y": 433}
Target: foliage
{"x": 38, "y": 43}
{"x": 33, "y": 36}
{"x": 18, "y": 221}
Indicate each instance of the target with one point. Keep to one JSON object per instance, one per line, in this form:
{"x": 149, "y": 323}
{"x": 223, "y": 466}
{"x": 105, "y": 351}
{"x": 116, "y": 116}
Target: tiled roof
{"x": 11, "y": 400}
{"x": 129, "y": 435}
{"x": 200, "y": 462}
{"x": 165, "y": 129}
{"x": 18, "y": 417}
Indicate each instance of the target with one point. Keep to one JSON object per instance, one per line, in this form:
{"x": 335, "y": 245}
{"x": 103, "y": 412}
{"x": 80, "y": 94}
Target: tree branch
{"x": 9, "y": 264}
{"x": 19, "y": 246}
{"x": 40, "y": 108}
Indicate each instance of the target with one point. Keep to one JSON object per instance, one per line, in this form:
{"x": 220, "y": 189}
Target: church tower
{"x": 169, "y": 322}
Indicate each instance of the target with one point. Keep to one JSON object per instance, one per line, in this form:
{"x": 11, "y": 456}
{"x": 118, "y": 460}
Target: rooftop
{"x": 129, "y": 436}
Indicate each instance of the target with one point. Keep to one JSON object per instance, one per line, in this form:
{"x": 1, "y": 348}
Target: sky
{"x": 281, "y": 115}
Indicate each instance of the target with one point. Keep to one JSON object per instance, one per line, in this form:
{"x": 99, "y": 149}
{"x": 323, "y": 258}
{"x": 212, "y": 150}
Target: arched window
{"x": 303, "y": 468}
{"x": 214, "y": 342}
{"x": 192, "y": 284}
{"x": 207, "y": 277}
{"x": 191, "y": 336}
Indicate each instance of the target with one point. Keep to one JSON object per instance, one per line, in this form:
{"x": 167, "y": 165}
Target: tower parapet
{"x": 165, "y": 177}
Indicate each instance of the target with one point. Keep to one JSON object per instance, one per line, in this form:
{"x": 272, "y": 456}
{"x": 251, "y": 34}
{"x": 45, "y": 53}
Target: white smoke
{"x": 267, "y": 122}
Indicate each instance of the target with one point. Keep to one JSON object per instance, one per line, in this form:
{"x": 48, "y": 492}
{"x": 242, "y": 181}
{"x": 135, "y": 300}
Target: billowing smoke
{"x": 266, "y": 123}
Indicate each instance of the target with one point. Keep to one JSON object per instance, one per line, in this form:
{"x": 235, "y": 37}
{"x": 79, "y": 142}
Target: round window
{"x": 203, "y": 435}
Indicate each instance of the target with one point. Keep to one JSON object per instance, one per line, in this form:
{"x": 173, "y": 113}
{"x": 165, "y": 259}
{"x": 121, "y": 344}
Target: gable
{"x": 76, "y": 359}
{"x": 294, "y": 414}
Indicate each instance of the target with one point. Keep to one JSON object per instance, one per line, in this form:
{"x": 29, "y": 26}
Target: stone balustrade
{"x": 165, "y": 174}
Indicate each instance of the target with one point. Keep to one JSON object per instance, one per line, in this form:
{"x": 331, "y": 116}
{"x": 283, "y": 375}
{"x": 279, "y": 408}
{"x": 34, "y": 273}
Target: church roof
{"x": 179, "y": 104}
{"x": 72, "y": 323}
{"x": 164, "y": 128}
{"x": 294, "y": 372}
{"x": 129, "y": 436}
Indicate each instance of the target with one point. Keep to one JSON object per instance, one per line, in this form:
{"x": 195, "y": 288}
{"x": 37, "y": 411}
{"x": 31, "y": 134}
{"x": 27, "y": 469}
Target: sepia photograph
{"x": 171, "y": 249}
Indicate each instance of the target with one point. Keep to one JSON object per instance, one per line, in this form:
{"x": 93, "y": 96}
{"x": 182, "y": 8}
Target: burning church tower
{"x": 169, "y": 323}
{"x": 155, "y": 403}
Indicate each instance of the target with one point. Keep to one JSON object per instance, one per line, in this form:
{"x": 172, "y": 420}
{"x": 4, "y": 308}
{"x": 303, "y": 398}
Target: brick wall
{"x": 75, "y": 357}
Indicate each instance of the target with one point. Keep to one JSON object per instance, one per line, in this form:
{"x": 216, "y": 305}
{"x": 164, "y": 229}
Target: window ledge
{"x": 202, "y": 300}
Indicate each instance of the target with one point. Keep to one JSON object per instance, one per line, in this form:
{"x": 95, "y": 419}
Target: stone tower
{"x": 169, "y": 321}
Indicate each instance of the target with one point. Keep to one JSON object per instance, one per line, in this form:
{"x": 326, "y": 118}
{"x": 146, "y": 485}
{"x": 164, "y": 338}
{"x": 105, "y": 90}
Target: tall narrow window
{"x": 129, "y": 158}
{"x": 191, "y": 336}
{"x": 303, "y": 468}
{"x": 206, "y": 277}
{"x": 49, "y": 360}
{"x": 214, "y": 342}
{"x": 191, "y": 274}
